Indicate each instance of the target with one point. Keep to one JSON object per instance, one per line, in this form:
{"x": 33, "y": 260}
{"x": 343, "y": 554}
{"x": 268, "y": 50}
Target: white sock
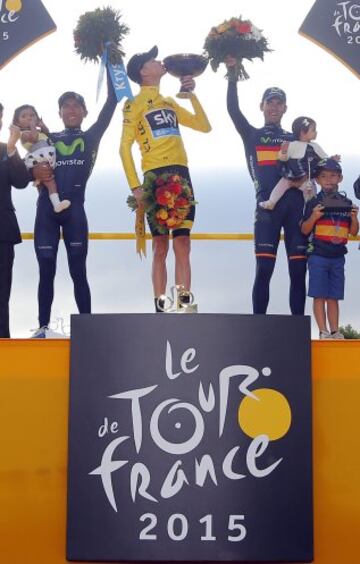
{"x": 54, "y": 198}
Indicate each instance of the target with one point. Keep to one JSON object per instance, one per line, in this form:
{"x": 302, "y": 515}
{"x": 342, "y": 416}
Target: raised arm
{"x": 197, "y": 120}
{"x": 99, "y": 127}
{"x": 239, "y": 120}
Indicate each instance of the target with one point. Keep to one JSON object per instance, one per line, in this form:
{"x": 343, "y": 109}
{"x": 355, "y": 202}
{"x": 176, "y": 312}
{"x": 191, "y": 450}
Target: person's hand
{"x": 138, "y": 193}
{"x": 284, "y": 147}
{"x": 230, "y": 61}
{"x": 318, "y": 212}
{"x": 43, "y": 172}
{"x": 188, "y": 83}
{"x": 13, "y": 138}
{"x": 354, "y": 212}
{"x": 283, "y": 153}
{"x": 336, "y": 158}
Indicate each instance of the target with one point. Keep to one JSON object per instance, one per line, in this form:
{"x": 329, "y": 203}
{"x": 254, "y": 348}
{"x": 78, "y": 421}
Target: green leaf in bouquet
{"x": 97, "y": 29}
{"x": 132, "y": 203}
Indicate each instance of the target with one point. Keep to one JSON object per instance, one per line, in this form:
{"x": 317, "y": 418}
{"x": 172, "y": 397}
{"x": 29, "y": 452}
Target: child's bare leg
{"x": 278, "y": 191}
{"x": 51, "y": 186}
{"x": 333, "y": 315}
{"x": 319, "y": 313}
{"x": 58, "y": 205}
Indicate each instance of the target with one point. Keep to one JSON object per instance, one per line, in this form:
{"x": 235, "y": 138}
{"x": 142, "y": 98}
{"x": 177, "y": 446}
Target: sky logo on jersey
{"x": 163, "y": 123}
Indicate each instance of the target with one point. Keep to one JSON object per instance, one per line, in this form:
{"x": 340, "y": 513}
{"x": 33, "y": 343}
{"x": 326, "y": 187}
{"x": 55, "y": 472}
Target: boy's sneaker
{"x": 325, "y": 335}
{"x": 46, "y": 333}
{"x": 61, "y": 206}
{"x": 337, "y": 335}
{"x": 39, "y": 333}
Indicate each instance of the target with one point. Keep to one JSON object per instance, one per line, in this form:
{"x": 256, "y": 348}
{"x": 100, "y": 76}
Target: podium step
{"x": 33, "y": 438}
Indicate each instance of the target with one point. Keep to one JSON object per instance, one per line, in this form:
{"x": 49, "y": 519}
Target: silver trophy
{"x": 179, "y": 301}
{"x": 184, "y": 64}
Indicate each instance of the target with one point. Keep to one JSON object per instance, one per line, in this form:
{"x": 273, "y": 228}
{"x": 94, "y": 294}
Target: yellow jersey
{"x": 153, "y": 122}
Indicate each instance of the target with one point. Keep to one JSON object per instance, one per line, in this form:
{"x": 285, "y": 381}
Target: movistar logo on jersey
{"x": 68, "y": 150}
{"x": 274, "y": 140}
{"x": 70, "y": 162}
{"x": 163, "y": 122}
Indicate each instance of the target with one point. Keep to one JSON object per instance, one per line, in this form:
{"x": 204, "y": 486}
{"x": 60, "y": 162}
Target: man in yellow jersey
{"x": 153, "y": 122}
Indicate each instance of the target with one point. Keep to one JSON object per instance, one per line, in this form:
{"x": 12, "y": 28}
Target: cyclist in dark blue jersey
{"x": 76, "y": 152}
{"x": 261, "y": 149}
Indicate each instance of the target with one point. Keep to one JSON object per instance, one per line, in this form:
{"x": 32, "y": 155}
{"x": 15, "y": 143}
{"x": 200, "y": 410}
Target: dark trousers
{"x": 47, "y": 235}
{"x": 6, "y": 265}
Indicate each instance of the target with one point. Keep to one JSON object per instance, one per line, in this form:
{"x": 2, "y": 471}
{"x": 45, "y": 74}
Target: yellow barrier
{"x": 33, "y": 439}
{"x": 195, "y": 236}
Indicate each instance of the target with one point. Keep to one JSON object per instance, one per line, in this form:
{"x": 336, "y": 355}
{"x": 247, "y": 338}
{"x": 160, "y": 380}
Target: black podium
{"x": 190, "y": 438}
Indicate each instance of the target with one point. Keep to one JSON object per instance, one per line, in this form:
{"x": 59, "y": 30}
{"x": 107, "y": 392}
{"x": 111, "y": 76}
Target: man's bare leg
{"x": 182, "y": 247}
{"x": 159, "y": 274}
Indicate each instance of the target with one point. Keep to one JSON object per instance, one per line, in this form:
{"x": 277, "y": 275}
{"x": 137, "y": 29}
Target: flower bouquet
{"x": 99, "y": 29}
{"x": 239, "y": 39}
{"x": 167, "y": 199}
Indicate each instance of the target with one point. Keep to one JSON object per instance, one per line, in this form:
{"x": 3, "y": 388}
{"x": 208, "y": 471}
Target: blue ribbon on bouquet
{"x": 118, "y": 77}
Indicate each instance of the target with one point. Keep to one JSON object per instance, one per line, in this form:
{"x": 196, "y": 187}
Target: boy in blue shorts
{"x": 329, "y": 219}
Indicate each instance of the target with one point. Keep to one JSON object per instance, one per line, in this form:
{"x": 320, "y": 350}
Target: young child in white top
{"x": 34, "y": 138}
{"x": 296, "y": 161}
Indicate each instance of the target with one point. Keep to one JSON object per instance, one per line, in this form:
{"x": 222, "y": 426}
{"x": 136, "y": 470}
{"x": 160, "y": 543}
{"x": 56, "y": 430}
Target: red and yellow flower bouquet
{"x": 237, "y": 38}
{"x": 167, "y": 199}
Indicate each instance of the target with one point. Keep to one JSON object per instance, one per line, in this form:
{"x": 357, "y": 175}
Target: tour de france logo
{"x": 10, "y": 11}
{"x": 267, "y": 412}
{"x": 346, "y": 22}
{"x": 12, "y": 6}
{"x": 263, "y": 415}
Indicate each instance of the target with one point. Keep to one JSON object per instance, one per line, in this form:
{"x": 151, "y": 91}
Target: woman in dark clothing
{"x": 13, "y": 172}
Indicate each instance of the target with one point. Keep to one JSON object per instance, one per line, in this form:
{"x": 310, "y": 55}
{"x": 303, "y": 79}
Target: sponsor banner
{"x": 335, "y": 26}
{"x": 22, "y": 22}
{"x": 120, "y": 81}
{"x": 118, "y": 77}
{"x": 190, "y": 438}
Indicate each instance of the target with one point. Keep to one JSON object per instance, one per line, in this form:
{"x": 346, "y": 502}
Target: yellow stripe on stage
{"x": 34, "y": 387}
{"x": 195, "y": 236}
